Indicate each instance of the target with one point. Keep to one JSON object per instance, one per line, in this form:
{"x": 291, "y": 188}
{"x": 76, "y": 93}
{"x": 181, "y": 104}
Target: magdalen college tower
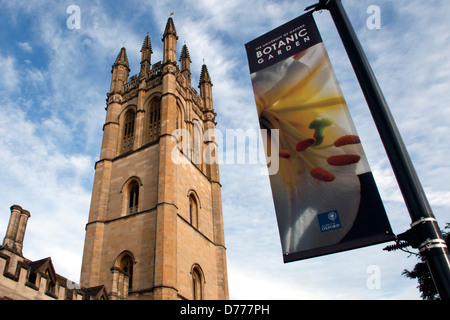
{"x": 155, "y": 228}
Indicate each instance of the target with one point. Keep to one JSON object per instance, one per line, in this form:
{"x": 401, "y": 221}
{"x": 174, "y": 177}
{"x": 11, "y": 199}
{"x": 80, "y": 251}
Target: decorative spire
{"x": 146, "y": 56}
{"x": 170, "y": 28}
{"x": 147, "y": 44}
{"x": 185, "y": 54}
{"x": 204, "y": 76}
{"x": 122, "y": 59}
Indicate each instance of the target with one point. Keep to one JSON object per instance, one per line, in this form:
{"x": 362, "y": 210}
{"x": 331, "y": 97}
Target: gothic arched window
{"x": 154, "y": 120}
{"x": 122, "y": 274}
{"x": 179, "y": 118}
{"x": 193, "y": 211}
{"x": 127, "y": 267}
{"x": 133, "y": 197}
{"x": 128, "y": 131}
{"x": 197, "y": 284}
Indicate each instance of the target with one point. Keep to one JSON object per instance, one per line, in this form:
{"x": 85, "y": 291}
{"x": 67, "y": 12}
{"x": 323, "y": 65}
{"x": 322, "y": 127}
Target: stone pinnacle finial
{"x": 204, "y": 76}
{"x": 122, "y": 58}
{"x": 170, "y": 28}
{"x": 147, "y": 44}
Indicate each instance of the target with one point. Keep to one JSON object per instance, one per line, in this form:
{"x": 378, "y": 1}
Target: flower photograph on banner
{"x": 319, "y": 189}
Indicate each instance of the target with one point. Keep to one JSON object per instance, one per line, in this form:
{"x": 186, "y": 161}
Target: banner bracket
{"x": 411, "y": 237}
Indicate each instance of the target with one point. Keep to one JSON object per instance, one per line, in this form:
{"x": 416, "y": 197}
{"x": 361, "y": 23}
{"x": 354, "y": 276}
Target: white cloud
{"x": 25, "y": 46}
{"x": 48, "y": 183}
{"x": 438, "y": 198}
{"x": 9, "y": 77}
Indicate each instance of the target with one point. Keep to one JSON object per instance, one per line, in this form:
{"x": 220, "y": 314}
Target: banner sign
{"x": 324, "y": 193}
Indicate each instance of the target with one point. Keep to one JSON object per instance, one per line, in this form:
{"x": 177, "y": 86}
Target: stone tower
{"x": 155, "y": 228}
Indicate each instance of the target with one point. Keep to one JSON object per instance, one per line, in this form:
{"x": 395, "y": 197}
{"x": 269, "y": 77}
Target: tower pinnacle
{"x": 122, "y": 59}
{"x": 185, "y": 54}
{"x": 185, "y": 60}
{"x": 120, "y": 70}
{"x": 204, "y": 76}
{"x": 170, "y": 28}
{"x": 147, "y": 45}
{"x": 205, "y": 86}
{"x": 146, "y": 57}
{"x": 170, "y": 42}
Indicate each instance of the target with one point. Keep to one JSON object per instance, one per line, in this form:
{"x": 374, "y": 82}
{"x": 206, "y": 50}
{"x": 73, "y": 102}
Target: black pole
{"x": 425, "y": 232}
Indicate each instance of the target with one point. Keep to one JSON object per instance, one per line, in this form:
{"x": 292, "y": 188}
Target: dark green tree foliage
{"x": 422, "y": 273}
{"x": 423, "y": 276}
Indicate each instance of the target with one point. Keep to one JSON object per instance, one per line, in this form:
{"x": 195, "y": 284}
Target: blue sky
{"x": 53, "y": 83}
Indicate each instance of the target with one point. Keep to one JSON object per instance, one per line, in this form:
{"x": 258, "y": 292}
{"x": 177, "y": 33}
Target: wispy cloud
{"x": 25, "y": 46}
{"x": 9, "y": 76}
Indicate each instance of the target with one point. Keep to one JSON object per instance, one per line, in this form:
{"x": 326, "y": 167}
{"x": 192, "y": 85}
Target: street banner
{"x": 324, "y": 193}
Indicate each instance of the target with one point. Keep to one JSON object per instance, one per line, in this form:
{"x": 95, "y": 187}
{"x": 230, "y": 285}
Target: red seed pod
{"x": 343, "y": 159}
{"x": 304, "y": 144}
{"x": 284, "y": 154}
{"x": 345, "y": 140}
{"x": 322, "y": 174}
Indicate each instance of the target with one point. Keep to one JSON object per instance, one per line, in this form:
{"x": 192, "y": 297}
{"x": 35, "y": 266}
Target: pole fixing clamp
{"x": 422, "y": 220}
{"x": 432, "y": 244}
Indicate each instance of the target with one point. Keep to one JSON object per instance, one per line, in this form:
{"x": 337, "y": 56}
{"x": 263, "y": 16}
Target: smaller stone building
{"x": 23, "y": 279}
